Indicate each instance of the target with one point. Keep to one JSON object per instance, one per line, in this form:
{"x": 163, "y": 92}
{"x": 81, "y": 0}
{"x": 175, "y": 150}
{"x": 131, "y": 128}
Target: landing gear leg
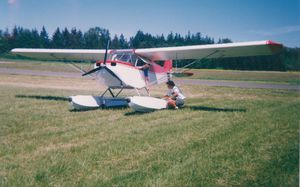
{"x": 109, "y": 89}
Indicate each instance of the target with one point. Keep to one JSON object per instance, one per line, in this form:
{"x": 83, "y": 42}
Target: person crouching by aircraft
{"x": 174, "y": 96}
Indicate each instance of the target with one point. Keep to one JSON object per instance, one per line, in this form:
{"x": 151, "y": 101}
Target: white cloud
{"x": 277, "y": 31}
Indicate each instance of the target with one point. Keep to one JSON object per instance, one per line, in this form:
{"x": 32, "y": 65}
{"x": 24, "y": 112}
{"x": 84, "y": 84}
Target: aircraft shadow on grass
{"x": 135, "y": 113}
{"x": 215, "y": 109}
{"x": 195, "y": 108}
{"x": 97, "y": 108}
{"x": 44, "y": 97}
{"x": 65, "y": 99}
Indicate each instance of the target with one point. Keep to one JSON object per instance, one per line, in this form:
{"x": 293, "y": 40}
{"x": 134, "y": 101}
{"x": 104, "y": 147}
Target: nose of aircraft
{"x": 98, "y": 63}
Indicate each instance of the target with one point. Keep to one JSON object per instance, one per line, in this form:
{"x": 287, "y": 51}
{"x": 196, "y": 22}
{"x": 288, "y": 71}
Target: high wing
{"x": 61, "y": 54}
{"x": 241, "y": 49}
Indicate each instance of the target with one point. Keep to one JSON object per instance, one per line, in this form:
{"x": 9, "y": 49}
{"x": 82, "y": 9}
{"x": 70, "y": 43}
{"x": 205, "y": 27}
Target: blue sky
{"x": 240, "y": 20}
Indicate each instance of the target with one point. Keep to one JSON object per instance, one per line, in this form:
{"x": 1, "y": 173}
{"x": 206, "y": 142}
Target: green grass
{"x": 42, "y": 65}
{"x": 257, "y": 76}
{"x": 226, "y": 137}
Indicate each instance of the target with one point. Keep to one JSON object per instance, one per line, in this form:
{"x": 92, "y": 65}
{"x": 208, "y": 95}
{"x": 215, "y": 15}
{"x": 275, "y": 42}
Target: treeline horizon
{"x": 97, "y": 37}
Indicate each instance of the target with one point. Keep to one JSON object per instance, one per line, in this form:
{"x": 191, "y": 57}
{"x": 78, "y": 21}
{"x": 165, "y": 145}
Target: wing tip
{"x": 13, "y": 50}
{"x": 270, "y": 42}
{"x": 274, "y": 46}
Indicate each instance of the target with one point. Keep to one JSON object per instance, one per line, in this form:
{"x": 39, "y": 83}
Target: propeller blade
{"x": 92, "y": 71}
{"x": 106, "y": 51}
{"x": 104, "y": 62}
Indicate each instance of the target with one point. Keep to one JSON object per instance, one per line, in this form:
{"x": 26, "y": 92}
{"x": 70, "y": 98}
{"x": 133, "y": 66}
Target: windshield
{"x": 129, "y": 57}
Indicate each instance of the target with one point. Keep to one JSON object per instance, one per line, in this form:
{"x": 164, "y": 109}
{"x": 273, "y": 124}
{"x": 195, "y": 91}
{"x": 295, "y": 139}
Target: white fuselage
{"x": 130, "y": 76}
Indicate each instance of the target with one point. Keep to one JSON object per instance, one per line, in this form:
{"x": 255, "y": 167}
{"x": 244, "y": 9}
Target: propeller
{"x": 104, "y": 62}
{"x": 106, "y": 51}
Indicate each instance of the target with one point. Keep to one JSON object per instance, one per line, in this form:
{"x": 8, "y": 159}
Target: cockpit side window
{"x": 125, "y": 58}
{"x": 134, "y": 58}
{"x": 140, "y": 62}
{"x": 116, "y": 57}
{"x": 128, "y": 57}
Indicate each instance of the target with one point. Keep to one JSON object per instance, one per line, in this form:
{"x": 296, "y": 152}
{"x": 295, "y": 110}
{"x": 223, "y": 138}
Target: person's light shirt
{"x": 175, "y": 90}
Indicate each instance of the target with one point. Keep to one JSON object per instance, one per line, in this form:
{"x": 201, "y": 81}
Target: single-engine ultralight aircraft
{"x": 121, "y": 69}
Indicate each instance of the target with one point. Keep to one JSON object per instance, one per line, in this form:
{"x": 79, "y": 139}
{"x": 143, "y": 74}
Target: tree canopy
{"x": 96, "y": 38}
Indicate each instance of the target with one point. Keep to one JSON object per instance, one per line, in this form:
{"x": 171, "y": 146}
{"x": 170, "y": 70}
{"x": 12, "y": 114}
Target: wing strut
{"x": 184, "y": 68}
{"x": 199, "y": 60}
{"x": 75, "y": 66}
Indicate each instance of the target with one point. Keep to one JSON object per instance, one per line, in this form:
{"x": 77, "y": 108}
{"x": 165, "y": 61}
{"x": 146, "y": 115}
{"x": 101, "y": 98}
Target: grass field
{"x": 39, "y": 65}
{"x": 256, "y": 76}
{"x": 223, "y": 137}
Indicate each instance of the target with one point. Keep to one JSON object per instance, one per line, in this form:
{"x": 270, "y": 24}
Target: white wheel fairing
{"x": 85, "y": 102}
{"x": 146, "y": 104}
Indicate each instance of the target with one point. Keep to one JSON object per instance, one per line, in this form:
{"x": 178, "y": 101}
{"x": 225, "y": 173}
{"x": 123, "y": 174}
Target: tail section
{"x": 168, "y": 65}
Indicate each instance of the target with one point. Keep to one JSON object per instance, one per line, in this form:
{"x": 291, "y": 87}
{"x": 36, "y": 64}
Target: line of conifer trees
{"x": 96, "y": 38}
